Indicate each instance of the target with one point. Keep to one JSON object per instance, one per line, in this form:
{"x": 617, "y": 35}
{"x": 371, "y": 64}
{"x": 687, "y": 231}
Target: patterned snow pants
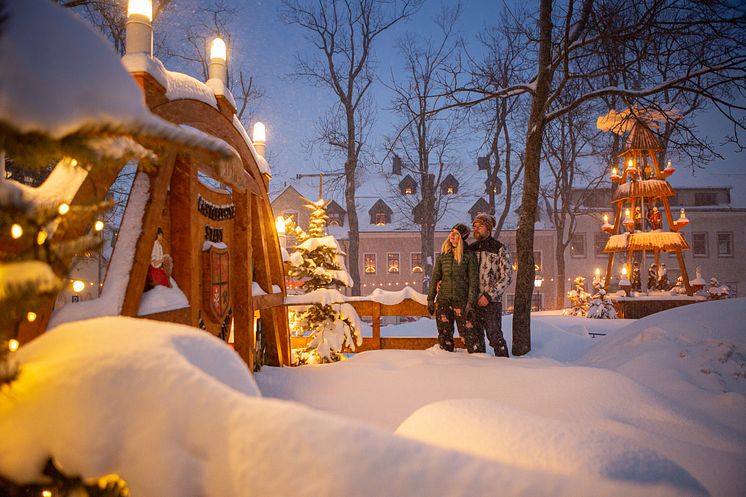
{"x": 489, "y": 321}
{"x": 446, "y": 313}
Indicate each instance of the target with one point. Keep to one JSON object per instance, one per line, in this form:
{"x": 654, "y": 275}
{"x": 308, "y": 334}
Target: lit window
{"x": 370, "y": 263}
{"x": 393, "y": 263}
{"x": 725, "y": 244}
{"x": 380, "y": 218}
{"x": 416, "y": 259}
{"x": 408, "y": 191}
{"x": 450, "y": 190}
{"x": 335, "y": 219}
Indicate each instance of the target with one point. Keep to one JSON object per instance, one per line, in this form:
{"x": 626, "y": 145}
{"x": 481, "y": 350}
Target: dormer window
{"x": 336, "y": 214}
{"x": 449, "y": 186}
{"x": 380, "y": 213}
{"x": 408, "y": 186}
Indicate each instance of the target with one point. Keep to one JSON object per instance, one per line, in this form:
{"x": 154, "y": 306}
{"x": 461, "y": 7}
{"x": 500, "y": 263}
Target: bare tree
{"x": 343, "y": 32}
{"x": 572, "y": 162}
{"x": 426, "y": 139}
{"x": 568, "y": 37}
{"x": 498, "y": 118}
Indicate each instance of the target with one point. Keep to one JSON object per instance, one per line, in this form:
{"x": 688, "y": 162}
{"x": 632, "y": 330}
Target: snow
{"x": 218, "y": 88}
{"x": 15, "y": 275}
{"x": 661, "y": 399}
{"x": 256, "y": 289}
{"x": 207, "y": 245}
{"x": 332, "y": 296}
{"x": 161, "y": 299}
{"x": 66, "y": 80}
{"x": 656, "y": 407}
{"x": 112, "y": 294}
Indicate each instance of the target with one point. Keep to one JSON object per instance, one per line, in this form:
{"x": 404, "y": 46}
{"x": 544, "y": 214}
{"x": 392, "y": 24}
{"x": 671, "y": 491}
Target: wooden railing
{"x": 375, "y": 310}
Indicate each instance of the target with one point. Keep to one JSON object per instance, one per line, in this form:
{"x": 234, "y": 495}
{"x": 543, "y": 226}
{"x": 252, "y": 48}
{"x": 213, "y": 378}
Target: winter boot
{"x": 502, "y": 349}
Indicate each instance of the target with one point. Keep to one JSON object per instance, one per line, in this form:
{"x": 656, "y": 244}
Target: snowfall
{"x": 657, "y": 406}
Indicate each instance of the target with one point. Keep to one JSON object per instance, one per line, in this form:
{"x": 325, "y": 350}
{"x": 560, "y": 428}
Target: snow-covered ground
{"x": 655, "y": 407}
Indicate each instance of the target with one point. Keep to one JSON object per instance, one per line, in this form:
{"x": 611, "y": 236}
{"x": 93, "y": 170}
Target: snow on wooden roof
{"x": 62, "y": 79}
{"x": 649, "y": 241}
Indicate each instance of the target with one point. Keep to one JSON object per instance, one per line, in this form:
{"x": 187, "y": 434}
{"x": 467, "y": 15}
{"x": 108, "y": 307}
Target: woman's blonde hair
{"x": 458, "y": 250}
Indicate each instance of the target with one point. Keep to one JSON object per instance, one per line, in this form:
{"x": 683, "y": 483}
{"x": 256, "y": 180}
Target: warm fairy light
{"x": 41, "y": 237}
{"x": 614, "y": 171}
{"x": 606, "y": 219}
{"x": 141, "y": 7}
{"x": 13, "y": 344}
{"x": 98, "y": 225}
{"x": 30, "y": 316}
{"x": 63, "y": 209}
{"x": 16, "y": 231}
{"x": 78, "y": 286}
{"x": 598, "y": 274}
{"x": 217, "y": 49}
{"x": 630, "y": 164}
{"x": 280, "y": 225}
{"x": 260, "y": 134}
{"x": 73, "y": 162}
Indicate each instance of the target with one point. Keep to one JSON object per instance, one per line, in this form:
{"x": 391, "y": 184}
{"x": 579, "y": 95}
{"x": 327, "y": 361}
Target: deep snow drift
{"x": 174, "y": 412}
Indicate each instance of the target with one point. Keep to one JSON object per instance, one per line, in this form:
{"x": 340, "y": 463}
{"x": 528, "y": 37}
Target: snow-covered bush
{"x": 601, "y": 305}
{"x": 716, "y": 291}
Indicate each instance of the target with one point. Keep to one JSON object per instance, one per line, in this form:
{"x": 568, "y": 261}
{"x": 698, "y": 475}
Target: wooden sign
{"x": 216, "y": 294}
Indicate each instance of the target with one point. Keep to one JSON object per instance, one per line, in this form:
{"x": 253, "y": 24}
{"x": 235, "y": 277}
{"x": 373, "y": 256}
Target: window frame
{"x": 389, "y": 260}
{"x": 729, "y": 234}
{"x": 585, "y": 245}
{"x": 411, "y": 263}
{"x": 706, "y": 245}
{"x": 596, "y": 237}
{"x": 365, "y": 262}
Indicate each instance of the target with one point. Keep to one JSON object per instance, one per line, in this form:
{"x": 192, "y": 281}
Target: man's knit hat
{"x": 486, "y": 219}
{"x": 463, "y": 230}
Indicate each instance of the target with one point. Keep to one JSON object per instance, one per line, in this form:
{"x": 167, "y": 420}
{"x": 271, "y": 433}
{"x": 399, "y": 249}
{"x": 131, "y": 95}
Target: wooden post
{"x": 159, "y": 183}
{"x": 185, "y": 232}
{"x": 376, "y": 315}
{"x": 241, "y": 253}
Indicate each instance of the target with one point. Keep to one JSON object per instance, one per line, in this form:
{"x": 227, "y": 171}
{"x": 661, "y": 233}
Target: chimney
{"x": 483, "y": 163}
{"x": 396, "y": 165}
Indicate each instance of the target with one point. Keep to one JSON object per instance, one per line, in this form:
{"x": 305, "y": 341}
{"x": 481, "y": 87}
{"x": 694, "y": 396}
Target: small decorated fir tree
{"x": 317, "y": 261}
{"x": 601, "y": 305}
{"x": 580, "y": 300}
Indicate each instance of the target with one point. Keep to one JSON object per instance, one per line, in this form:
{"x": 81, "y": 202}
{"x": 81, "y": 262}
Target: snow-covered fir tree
{"x": 317, "y": 261}
{"x": 580, "y": 300}
{"x": 601, "y": 305}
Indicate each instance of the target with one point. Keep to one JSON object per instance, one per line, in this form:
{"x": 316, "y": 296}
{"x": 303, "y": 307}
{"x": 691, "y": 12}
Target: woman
{"x": 456, "y": 282}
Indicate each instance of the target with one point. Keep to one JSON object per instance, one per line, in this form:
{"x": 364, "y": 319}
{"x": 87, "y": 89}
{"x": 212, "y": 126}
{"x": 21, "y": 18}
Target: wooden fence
{"x": 375, "y": 310}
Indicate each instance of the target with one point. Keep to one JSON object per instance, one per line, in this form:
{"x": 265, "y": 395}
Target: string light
{"x": 13, "y": 344}
{"x": 98, "y": 225}
{"x": 73, "y": 162}
{"x": 31, "y": 316}
{"x": 78, "y": 286}
{"x": 63, "y": 208}
{"x": 16, "y": 231}
{"x": 41, "y": 237}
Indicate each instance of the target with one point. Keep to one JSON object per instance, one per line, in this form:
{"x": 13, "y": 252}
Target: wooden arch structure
{"x": 237, "y": 219}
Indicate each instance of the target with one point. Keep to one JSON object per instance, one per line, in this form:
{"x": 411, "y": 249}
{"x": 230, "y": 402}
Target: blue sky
{"x": 267, "y": 48}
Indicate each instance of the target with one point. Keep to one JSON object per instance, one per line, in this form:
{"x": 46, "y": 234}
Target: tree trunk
{"x": 524, "y": 286}
{"x": 559, "y": 252}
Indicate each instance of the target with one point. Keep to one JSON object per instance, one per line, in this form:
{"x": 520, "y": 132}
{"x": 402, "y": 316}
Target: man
{"x": 495, "y": 273}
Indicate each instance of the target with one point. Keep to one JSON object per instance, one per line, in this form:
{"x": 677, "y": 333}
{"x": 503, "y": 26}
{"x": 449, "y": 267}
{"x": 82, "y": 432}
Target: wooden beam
{"x": 240, "y": 257}
{"x": 160, "y": 179}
